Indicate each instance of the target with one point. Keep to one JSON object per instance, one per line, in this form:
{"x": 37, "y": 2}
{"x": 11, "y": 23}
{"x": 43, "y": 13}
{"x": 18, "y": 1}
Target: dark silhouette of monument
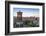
{"x": 19, "y": 16}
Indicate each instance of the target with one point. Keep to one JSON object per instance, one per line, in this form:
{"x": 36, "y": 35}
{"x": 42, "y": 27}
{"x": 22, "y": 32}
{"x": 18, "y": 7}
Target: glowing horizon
{"x": 27, "y": 12}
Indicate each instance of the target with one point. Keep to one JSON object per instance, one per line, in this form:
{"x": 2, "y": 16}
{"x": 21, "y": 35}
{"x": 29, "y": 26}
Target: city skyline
{"x": 27, "y": 12}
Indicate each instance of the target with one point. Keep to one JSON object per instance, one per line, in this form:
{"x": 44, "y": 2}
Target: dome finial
{"x": 19, "y": 10}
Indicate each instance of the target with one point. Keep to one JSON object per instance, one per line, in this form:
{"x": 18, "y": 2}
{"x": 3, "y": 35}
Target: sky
{"x": 27, "y": 12}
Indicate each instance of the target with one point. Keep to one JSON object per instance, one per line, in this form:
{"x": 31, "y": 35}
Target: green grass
{"x": 30, "y": 23}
